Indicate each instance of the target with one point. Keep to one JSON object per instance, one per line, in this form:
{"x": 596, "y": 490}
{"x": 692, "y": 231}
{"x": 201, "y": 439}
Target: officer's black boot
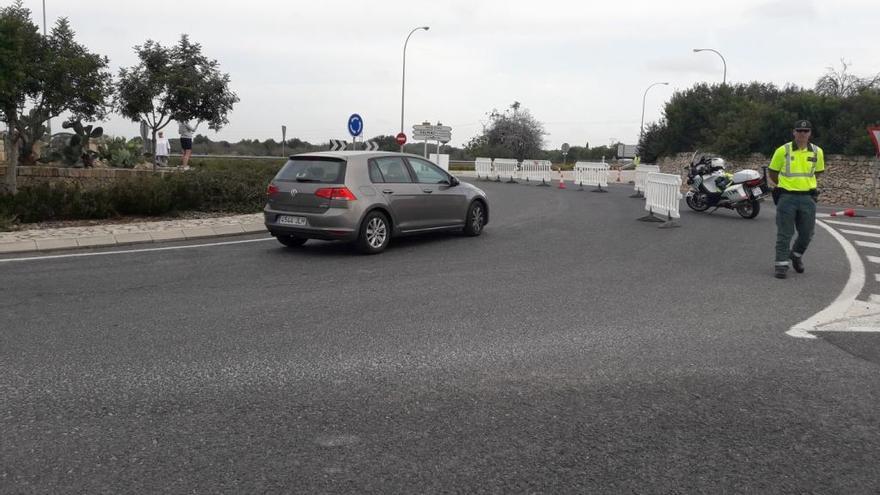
{"x": 797, "y": 261}
{"x": 781, "y": 271}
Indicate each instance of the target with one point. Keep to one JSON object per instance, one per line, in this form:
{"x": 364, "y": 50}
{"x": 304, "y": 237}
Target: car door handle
{"x": 428, "y": 190}
{"x": 387, "y": 191}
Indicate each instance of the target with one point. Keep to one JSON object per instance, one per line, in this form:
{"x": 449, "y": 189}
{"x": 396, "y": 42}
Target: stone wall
{"x": 847, "y": 181}
{"x": 87, "y": 178}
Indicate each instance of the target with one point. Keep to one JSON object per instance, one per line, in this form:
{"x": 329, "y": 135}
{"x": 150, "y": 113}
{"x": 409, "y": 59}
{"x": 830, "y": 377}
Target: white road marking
{"x": 129, "y": 251}
{"x": 860, "y": 232}
{"x": 845, "y": 301}
{"x": 874, "y": 259}
{"x": 853, "y": 224}
{"x": 867, "y": 244}
{"x": 851, "y": 329}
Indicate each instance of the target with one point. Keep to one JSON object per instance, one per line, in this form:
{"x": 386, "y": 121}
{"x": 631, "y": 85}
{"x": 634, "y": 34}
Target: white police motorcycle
{"x": 712, "y": 186}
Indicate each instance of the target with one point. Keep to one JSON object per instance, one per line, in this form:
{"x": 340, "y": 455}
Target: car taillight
{"x": 272, "y": 190}
{"x": 753, "y": 182}
{"x": 335, "y": 193}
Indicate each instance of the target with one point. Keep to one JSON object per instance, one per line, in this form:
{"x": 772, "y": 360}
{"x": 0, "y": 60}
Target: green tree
{"x": 515, "y": 133}
{"x": 736, "y": 120}
{"x": 41, "y": 77}
{"x": 20, "y": 45}
{"x": 386, "y": 143}
{"x": 176, "y": 83}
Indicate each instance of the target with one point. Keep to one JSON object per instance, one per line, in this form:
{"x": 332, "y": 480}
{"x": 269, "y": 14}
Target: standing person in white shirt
{"x": 186, "y": 141}
{"x": 163, "y": 149}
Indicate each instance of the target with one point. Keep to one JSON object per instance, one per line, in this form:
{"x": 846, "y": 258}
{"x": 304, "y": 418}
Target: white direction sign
{"x": 430, "y": 132}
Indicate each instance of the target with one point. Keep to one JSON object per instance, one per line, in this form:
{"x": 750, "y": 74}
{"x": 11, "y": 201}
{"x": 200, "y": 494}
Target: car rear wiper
{"x": 306, "y": 179}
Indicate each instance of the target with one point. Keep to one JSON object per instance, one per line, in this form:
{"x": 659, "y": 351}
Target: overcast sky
{"x": 580, "y": 67}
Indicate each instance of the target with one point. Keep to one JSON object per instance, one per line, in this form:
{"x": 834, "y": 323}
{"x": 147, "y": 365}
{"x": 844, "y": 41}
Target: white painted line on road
{"x": 860, "y": 232}
{"x": 129, "y": 251}
{"x": 852, "y": 224}
{"x": 837, "y": 309}
{"x": 874, "y": 259}
{"x": 849, "y": 329}
{"x": 867, "y": 244}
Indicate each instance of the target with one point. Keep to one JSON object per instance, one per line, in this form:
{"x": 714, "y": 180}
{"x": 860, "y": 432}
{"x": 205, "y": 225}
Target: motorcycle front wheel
{"x": 697, "y": 202}
{"x": 749, "y": 210}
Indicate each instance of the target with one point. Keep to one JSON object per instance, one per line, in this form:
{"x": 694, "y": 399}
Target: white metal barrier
{"x": 662, "y": 197}
{"x": 591, "y": 174}
{"x": 536, "y": 171}
{"x": 642, "y": 172}
{"x": 483, "y": 167}
{"x": 505, "y": 169}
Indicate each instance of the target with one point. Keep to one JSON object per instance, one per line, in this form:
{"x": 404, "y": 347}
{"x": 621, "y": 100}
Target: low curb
{"x": 130, "y": 238}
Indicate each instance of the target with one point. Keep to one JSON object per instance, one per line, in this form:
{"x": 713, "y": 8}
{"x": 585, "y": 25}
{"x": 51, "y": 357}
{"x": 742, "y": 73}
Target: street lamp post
{"x": 48, "y": 121}
{"x": 644, "y": 97}
{"x": 403, "y": 81}
{"x": 724, "y": 79}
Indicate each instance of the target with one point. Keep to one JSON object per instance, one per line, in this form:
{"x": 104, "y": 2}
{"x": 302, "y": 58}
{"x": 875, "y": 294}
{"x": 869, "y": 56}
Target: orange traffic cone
{"x": 849, "y": 212}
{"x": 561, "y": 181}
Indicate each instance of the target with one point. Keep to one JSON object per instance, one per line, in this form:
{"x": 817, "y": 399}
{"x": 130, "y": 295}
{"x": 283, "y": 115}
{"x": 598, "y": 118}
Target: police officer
{"x": 794, "y": 168}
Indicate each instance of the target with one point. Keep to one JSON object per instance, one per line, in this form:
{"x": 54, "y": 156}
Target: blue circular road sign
{"x": 355, "y": 125}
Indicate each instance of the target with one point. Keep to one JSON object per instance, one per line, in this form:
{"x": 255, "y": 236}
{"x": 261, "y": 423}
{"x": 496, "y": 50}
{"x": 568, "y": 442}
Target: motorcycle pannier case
{"x": 745, "y": 176}
{"x": 735, "y": 193}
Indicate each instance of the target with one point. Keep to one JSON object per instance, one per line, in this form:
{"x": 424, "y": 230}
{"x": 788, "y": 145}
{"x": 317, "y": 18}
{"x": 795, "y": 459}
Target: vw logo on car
{"x": 293, "y": 192}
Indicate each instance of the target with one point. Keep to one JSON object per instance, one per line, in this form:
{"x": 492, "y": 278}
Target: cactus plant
{"x": 77, "y": 149}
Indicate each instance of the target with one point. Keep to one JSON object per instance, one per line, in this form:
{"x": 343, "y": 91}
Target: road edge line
{"x": 837, "y": 309}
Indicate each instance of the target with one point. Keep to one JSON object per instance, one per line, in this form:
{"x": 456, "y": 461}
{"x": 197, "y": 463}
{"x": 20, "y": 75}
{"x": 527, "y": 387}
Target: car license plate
{"x": 289, "y": 220}
{"x": 757, "y": 191}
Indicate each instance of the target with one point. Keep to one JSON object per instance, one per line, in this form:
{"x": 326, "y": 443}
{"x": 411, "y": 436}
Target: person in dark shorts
{"x": 186, "y": 132}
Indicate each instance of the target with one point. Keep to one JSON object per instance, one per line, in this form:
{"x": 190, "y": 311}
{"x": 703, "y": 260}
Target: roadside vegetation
{"x": 227, "y": 186}
{"x": 736, "y": 120}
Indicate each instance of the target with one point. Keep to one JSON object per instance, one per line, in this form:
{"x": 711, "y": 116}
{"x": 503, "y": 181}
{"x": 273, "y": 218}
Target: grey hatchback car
{"x": 367, "y": 198}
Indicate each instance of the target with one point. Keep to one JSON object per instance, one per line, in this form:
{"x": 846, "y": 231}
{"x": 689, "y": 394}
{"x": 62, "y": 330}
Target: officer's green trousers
{"x": 794, "y": 211}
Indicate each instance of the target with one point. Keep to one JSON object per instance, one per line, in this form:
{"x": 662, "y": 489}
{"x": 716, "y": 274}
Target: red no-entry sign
{"x": 400, "y": 138}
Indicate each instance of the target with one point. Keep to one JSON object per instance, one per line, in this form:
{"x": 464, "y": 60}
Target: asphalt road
{"x": 568, "y": 349}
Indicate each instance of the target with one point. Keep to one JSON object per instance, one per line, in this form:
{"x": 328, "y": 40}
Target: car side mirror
{"x": 453, "y": 181}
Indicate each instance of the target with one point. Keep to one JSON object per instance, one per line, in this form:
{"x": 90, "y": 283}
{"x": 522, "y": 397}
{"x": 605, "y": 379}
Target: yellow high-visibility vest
{"x": 797, "y": 168}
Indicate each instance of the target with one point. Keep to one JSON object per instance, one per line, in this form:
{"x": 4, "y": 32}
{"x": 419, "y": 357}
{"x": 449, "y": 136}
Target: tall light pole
{"x": 48, "y": 121}
{"x": 403, "y": 82}
{"x": 724, "y": 79}
{"x": 644, "y": 97}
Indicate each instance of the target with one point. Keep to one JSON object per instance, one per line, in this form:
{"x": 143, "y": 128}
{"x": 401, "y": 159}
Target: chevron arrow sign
{"x": 371, "y": 146}
{"x": 337, "y": 144}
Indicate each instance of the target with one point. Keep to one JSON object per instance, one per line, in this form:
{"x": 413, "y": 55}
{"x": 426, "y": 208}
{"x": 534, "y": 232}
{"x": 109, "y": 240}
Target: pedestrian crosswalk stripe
{"x": 859, "y": 232}
{"x": 853, "y": 224}
{"x": 867, "y": 244}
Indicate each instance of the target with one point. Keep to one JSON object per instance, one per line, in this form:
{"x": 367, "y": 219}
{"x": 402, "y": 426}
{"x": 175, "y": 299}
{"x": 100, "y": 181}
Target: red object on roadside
{"x": 849, "y": 212}
{"x": 561, "y": 181}
{"x": 400, "y": 138}
{"x": 874, "y": 131}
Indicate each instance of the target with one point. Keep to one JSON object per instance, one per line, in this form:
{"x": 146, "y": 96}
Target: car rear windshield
{"x": 313, "y": 169}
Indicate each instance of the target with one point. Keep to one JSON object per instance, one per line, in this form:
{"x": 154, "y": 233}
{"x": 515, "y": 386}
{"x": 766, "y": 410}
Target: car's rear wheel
{"x": 476, "y": 218}
{"x": 375, "y": 234}
{"x": 291, "y": 241}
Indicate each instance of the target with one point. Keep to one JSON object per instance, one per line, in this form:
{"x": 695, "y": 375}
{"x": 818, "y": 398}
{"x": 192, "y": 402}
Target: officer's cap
{"x": 803, "y": 124}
